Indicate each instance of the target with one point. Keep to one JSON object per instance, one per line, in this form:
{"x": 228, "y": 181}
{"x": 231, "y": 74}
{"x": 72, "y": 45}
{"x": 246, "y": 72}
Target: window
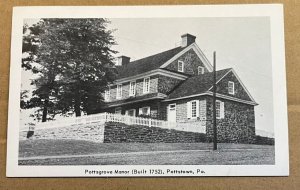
{"x": 144, "y": 111}
{"x": 132, "y": 86}
{"x": 193, "y": 109}
{"x": 219, "y": 109}
{"x": 107, "y": 94}
{"x": 119, "y": 91}
{"x": 180, "y": 66}
{"x": 200, "y": 70}
{"x": 130, "y": 112}
{"x": 146, "y": 86}
{"x": 172, "y": 106}
{"x": 118, "y": 110}
{"x": 231, "y": 87}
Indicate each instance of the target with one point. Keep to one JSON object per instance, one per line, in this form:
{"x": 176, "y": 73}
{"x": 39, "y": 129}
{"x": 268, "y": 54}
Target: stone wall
{"x": 138, "y": 88}
{"x": 117, "y": 133}
{"x": 167, "y": 84}
{"x": 264, "y": 140}
{"x": 181, "y": 109}
{"x": 191, "y": 63}
{"x": 93, "y": 133}
{"x": 239, "y": 91}
{"x": 238, "y": 125}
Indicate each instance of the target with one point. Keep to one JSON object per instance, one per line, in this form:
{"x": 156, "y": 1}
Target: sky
{"x": 240, "y": 43}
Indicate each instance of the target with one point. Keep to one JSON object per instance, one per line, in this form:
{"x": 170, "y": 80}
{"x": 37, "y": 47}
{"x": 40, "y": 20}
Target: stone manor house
{"x": 176, "y": 86}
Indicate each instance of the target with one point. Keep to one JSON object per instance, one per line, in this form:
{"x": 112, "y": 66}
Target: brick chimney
{"x": 187, "y": 39}
{"x": 122, "y": 60}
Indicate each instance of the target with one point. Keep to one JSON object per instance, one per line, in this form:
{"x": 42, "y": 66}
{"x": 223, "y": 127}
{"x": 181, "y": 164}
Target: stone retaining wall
{"x": 264, "y": 140}
{"x": 118, "y": 132}
{"x": 93, "y": 133}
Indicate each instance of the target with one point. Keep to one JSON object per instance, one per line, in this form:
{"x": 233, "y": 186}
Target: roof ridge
{"x": 154, "y": 54}
{"x": 210, "y": 73}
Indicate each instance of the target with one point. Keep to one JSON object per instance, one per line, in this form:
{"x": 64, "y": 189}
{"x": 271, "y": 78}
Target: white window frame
{"x": 190, "y": 109}
{"x": 182, "y": 66}
{"x": 118, "y": 110}
{"x": 107, "y": 94}
{"x": 220, "y": 111}
{"x": 146, "y": 88}
{"x": 119, "y": 91}
{"x": 194, "y": 116}
{"x": 231, "y": 88}
{"x": 141, "y": 110}
{"x": 202, "y": 70}
{"x": 134, "y": 112}
{"x": 172, "y": 105}
{"x": 132, "y": 88}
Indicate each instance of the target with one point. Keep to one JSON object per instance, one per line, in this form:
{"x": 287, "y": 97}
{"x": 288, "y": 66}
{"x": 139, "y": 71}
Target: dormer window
{"x": 180, "y": 66}
{"x": 231, "y": 87}
{"x": 119, "y": 91}
{"x": 200, "y": 70}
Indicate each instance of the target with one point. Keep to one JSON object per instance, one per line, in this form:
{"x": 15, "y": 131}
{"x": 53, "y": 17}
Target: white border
{"x": 274, "y": 11}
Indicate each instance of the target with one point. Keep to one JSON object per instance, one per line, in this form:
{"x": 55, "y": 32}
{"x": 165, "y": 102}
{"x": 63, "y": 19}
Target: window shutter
{"x": 222, "y": 114}
{"x": 188, "y": 110}
{"x": 140, "y": 111}
{"x": 197, "y": 108}
{"x": 144, "y": 85}
{"x": 134, "y": 88}
{"x": 126, "y": 112}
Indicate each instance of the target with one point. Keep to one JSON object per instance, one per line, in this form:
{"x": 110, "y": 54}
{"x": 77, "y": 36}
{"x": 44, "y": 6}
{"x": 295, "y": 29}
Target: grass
{"x": 142, "y": 153}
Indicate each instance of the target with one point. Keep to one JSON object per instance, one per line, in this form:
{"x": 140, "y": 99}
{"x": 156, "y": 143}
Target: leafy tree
{"x": 75, "y": 64}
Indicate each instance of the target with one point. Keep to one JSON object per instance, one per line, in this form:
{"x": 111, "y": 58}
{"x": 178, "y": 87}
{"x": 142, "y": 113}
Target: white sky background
{"x": 241, "y": 43}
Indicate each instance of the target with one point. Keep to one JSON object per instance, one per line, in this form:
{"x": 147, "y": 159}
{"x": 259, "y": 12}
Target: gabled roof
{"x": 203, "y": 84}
{"x": 196, "y": 84}
{"x": 146, "y": 64}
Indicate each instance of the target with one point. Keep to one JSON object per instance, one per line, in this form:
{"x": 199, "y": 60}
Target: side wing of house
{"x": 192, "y": 102}
{"x": 189, "y": 95}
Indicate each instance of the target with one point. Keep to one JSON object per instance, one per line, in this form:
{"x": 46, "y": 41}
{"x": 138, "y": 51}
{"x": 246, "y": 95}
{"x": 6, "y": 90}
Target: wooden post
{"x": 214, "y": 106}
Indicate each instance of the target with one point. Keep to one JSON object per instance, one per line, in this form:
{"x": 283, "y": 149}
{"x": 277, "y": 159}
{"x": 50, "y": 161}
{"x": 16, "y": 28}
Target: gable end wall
{"x": 239, "y": 92}
{"x": 191, "y": 63}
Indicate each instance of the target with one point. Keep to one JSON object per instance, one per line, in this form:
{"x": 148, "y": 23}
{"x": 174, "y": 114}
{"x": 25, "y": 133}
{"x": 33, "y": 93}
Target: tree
{"x": 75, "y": 63}
{"x": 45, "y": 73}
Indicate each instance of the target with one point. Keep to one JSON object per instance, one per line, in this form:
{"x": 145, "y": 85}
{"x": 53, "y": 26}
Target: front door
{"x": 172, "y": 112}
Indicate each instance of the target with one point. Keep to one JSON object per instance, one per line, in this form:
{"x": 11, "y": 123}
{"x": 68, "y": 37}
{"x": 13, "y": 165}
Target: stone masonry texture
{"x": 239, "y": 92}
{"x": 93, "y": 133}
{"x": 118, "y": 133}
{"x": 191, "y": 63}
{"x": 238, "y": 125}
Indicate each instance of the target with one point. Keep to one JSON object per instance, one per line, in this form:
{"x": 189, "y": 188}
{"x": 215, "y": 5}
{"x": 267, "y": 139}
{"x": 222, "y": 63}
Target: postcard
{"x": 135, "y": 91}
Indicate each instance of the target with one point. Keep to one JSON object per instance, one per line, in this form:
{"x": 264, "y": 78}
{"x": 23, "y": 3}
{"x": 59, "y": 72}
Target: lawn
{"x": 75, "y": 152}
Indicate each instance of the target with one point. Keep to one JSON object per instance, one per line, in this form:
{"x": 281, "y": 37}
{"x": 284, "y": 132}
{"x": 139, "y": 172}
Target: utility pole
{"x": 214, "y": 105}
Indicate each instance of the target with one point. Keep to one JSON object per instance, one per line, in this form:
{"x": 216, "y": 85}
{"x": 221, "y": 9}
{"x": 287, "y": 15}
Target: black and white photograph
{"x": 147, "y": 91}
